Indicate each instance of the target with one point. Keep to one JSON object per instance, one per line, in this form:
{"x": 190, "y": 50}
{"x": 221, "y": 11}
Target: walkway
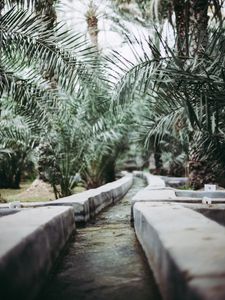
{"x": 104, "y": 261}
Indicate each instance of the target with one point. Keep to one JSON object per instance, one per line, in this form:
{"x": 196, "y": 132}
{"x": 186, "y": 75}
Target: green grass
{"x": 78, "y": 189}
{"x": 184, "y": 187}
{"x": 38, "y": 195}
{"x": 30, "y": 198}
{"x": 8, "y": 194}
{"x": 25, "y": 196}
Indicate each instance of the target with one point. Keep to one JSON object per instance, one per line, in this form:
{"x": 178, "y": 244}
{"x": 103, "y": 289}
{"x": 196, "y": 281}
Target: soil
{"x": 37, "y": 191}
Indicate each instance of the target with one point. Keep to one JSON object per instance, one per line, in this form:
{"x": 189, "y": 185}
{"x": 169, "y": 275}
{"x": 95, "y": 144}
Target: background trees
{"x": 54, "y": 91}
{"x": 68, "y": 109}
{"x": 183, "y": 90}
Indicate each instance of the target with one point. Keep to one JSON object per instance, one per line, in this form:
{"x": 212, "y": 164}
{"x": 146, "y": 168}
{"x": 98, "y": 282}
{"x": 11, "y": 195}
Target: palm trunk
{"x": 2, "y": 4}
{"x": 182, "y": 26}
{"x": 200, "y": 173}
{"x": 200, "y": 170}
{"x": 109, "y": 172}
{"x": 47, "y": 10}
{"x": 191, "y": 24}
{"x": 198, "y": 25}
{"x": 158, "y": 159}
{"x": 191, "y": 21}
{"x": 92, "y": 24}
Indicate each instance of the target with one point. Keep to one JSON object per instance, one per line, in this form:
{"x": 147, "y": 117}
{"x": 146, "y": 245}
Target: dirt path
{"x": 105, "y": 261}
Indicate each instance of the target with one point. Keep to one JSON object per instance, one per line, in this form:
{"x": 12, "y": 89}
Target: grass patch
{"x": 36, "y": 191}
{"x": 184, "y": 187}
{"x": 9, "y": 194}
{"x": 30, "y": 198}
{"x": 78, "y": 189}
{"x": 29, "y": 192}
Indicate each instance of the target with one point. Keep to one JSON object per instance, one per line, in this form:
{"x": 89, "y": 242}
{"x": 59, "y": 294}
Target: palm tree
{"x": 105, "y": 144}
{"x": 184, "y": 95}
{"x": 191, "y": 20}
{"x": 191, "y": 25}
{"x": 28, "y": 51}
{"x": 20, "y": 141}
{"x": 72, "y": 121}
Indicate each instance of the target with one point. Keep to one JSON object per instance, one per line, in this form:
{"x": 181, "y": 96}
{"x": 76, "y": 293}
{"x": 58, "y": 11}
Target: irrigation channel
{"x": 104, "y": 261}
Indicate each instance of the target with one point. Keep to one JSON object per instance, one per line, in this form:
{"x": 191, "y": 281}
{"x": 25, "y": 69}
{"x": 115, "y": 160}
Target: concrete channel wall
{"x": 32, "y": 237}
{"x": 88, "y": 204}
{"x": 184, "y": 248}
{"x": 30, "y": 241}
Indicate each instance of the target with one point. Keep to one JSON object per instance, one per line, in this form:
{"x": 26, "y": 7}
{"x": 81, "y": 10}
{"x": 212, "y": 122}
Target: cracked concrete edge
{"x": 184, "y": 249}
{"x": 30, "y": 242}
{"x": 88, "y": 204}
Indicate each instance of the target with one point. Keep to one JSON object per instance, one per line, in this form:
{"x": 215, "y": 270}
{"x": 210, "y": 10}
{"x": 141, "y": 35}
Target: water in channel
{"x": 104, "y": 261}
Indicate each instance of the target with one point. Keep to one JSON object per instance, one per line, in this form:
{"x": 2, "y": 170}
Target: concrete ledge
{"x": 8, "y": 211}
{"x": 184, "y": 249}
{"x": 168, "y": 194}
{"x": 155, "y": 194}
{"x": 164, "y": 194}
{"x": 157, "y": 181}
{"x": 88, "y": 204}
{"x": 175, "y": 181}
{"x": 30, "y": 241}
{"x": 152, "y": 181}
{"x": 215, "y": 212}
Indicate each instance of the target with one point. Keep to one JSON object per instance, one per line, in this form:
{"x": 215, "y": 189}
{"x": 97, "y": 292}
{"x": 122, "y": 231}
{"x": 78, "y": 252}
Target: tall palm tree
{"x": 191, "y": 25}
{"x": 74, "y": 119}
{"x": 185, "y": 95}
{"x": 28, "y": 49}
{"x": 191, "y": 20}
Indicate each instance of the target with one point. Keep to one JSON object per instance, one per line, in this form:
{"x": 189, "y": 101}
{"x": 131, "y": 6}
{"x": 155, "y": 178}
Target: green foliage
{"x": 17, "y": 142}
{"x": 106, "y": 143}
{"x": 184, "y": 97}
{"x": 55, "y": 85}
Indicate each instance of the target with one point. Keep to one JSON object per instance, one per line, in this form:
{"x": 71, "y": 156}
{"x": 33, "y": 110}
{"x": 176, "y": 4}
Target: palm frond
{"x": 25, "y": 34}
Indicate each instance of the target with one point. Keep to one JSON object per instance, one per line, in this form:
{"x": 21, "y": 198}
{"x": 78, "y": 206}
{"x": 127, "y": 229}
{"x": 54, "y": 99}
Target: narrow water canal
{"x": 104, "y": 261}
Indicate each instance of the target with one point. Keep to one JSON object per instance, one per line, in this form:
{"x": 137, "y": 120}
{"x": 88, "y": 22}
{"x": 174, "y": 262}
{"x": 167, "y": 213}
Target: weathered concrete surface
{"x": 88, "y": 204}
{"x": 215, "y": 212}
{"x": 105, "y": 261}
{"x": 219, "y": 194}
{"x": 168, "y": 194}
{"x": 157, "y": 190}
{"x": 154, "y": 194}
{"x": 30, "y": 241}
{"x": 7, "y": 211}
{"x": 184, "y": 249}
{"x": 175, "y": 181}
{"x": 152, "y": 181}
